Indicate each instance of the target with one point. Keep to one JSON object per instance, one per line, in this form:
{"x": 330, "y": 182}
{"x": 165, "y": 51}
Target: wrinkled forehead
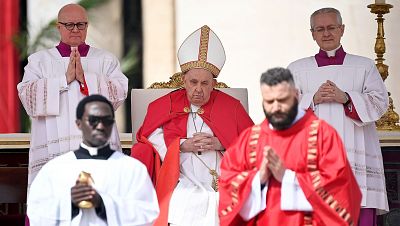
{"x": 199, "y": 74}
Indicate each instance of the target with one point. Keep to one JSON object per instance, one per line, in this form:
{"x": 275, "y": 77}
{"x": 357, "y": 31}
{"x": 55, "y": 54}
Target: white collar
{"x": 300, "y": 113}
{"x": 93, "y": 150}
{"x": 194, "y": 108}
{"x": 332, "y": 53}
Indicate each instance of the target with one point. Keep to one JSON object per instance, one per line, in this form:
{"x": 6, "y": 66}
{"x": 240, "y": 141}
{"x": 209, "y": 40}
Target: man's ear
{"x": 58, "y": 26}
{"x": 78, "y": 123}
{"x": 214, "y": 82}
{"x": 313, "y": 35}
{"x": 297, "y": 93}
{"x": 342, "y": 30}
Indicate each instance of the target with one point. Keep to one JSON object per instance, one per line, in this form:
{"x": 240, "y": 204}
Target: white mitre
{"x": 202, "y": 49}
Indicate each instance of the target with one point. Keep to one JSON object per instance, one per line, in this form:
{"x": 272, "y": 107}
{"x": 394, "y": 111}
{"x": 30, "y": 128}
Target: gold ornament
{"x": 85, "y": 178}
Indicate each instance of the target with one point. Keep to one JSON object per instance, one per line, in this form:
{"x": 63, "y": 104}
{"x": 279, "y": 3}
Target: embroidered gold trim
{"x": 308, "y": 219}
{"x": 203, "y": 48}
{"x": 253, "y": 140}
{"x": 200, "y": 111}
{"x": 176, "y": 82}
{"x": 316, "y": 176}
{"x": 255, "y": 134}
{"x": 200, "y": 64}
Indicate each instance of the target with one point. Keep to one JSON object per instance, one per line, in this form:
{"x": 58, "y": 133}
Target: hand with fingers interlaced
{"x": 201, "y": 142}
{"x": 329, "y": 92}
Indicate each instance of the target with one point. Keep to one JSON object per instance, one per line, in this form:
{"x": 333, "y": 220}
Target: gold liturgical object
{"x": 390, "y": 119}
{"x": 85, "y": 178}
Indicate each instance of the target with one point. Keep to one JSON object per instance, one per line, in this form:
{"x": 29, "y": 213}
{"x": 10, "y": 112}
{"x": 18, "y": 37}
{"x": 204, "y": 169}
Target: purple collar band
{"x": 323, "y": 59}
{"x": 65, "y": 49}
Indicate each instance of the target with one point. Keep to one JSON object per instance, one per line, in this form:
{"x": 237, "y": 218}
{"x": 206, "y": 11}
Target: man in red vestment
{"x": 184, "y": 135}
{"x": 290, "y": 170}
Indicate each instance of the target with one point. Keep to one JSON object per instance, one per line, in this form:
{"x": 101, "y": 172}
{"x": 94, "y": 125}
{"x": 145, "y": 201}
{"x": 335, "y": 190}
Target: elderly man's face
{"x": 327, "y": 32}
{"x": 96, "y": 123}
{"x": 72, "y": 14}
{"x": 280, "y": 104}
{"x": 198, "y": 84}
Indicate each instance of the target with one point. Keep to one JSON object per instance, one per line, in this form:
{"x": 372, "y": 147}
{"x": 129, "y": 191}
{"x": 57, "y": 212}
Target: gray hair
{"x": 323, "y": 11}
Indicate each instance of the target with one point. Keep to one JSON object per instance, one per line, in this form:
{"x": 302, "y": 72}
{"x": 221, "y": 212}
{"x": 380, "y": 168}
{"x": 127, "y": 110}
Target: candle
{"x": 380, "y": 2}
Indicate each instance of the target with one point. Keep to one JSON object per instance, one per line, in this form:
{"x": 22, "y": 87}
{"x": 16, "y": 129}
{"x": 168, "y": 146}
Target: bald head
{"x": 73, "y": 10}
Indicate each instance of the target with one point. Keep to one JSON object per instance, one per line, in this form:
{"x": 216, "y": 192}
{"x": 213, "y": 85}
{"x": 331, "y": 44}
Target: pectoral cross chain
{"x": 214, "y": 183}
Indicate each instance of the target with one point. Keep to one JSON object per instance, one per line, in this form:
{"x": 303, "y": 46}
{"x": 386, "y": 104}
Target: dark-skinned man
{"x": 93, "y": 185}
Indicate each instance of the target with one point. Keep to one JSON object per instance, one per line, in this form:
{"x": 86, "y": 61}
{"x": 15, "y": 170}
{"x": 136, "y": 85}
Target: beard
{"x": 285, "y": 119}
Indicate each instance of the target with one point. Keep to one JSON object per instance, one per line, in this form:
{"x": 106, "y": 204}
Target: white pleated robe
{"x": 122, "y": 182}
{"x": 193, "y": 202}
{"x": 359, "y": 77}
{"x": 51, "y": 103}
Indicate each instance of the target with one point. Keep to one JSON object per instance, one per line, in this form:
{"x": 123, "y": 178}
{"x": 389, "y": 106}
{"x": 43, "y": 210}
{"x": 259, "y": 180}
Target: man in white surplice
{"x": 118, "y": 190}
{"x": 348, "y": 92}
{"x": 56, "y": 79}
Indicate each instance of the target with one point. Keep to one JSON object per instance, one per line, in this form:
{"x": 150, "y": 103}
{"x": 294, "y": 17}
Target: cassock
{"x": 51, "y": 103}
{"x": 359, "y": 77}
{"x": 169, "y": 120}
{"x": 324, "y": 190}
{"x": 122, "y": 182}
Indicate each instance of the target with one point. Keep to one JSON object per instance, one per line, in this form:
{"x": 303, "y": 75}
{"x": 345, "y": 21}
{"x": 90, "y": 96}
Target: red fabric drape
{"x": 9, "y": 67}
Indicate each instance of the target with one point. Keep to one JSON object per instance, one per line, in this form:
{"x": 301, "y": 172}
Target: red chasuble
{"x": 225, "y": 116}
{"x": 314, "y": 151}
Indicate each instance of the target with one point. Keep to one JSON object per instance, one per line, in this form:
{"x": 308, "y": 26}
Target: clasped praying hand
{"x": 201, "y": 142}
{"x": 271, "y": 165}
{"x": 75, "y": 70}
{"x": 329, "y": 92}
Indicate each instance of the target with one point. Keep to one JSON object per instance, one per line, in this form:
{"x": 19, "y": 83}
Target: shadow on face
{"x": 96, "y": 123}
{"x": 199, "y": 84}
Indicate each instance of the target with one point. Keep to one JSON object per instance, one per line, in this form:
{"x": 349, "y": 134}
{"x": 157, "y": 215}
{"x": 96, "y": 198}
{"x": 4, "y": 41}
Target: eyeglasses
{"x": 330, "y": 29}
{"x": 79, "y": 25}
{"x": 95, "y": 120}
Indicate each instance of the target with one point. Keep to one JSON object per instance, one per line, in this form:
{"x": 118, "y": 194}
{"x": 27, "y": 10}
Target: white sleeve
{"x": 257, "y": 200}
{"x": 111, "y": 82}
{"x": 293, "y": 198}
{"x": 63, "y": 84}
{"x": 135, "y": 203}
{"x": 40, "y": 95}
{"x": 157, "y": 139}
